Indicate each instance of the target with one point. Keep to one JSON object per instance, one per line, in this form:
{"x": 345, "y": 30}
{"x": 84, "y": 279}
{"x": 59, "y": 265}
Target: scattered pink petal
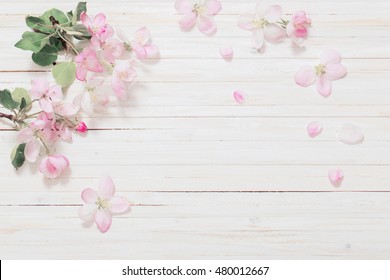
{"x": 53, "y": 166}
{"x": 314, "y": 129}
{"x": 350, "y": 134}
{"x": 239, "y": 96}
{"x": 336, "y": 176}
{"x": 99, "y": 206}
{"x": 226, "y": 52}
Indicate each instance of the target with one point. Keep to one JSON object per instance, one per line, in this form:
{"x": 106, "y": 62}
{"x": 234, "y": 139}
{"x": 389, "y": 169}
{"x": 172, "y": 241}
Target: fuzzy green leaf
{"x": 7, "y": 101}
{"x": 17, "y": 156}
{"x": 64, "y": 73}
{"x": 20, "y": 93}
{"x": 81, "y": 7}
{"x": 55, "y": 42}
{"x": 38, "y": 24}
{"x": 46, "y": 56}
{"x": 32, "y": 41}
{"x": 56, "y": 14}
{"x": 23, "y": 104}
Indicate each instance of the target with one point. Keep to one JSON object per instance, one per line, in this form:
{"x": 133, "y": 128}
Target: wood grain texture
{"x": 209, "y": 178}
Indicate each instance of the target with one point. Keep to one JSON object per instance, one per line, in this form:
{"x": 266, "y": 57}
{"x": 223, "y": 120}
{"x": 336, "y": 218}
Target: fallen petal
{"x": 226, "y": 52}
{"x": 239, "y": 96}
{"x": 314, "y": 129}
{"x": 103, "y": 220}
{"x": 336, "y": 176}
{"x": 305, "y": 76}
{"x": 350, "y": 134}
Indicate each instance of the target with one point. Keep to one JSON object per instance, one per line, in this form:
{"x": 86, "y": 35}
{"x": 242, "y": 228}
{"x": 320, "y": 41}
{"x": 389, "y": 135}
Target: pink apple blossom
{"x": 328, "y": 70}
{"x": 41, "y": 89}
{"x": 81, "y": 128}
{"x": 99, "y": 206}
{"x": 336, "y": 176}
{"x": 297, "y": 28}
{"x": 263, "y": 25}
{"x": 142, "y": 46}
{"x": 314, "y": 129}
{"x": 199, "y": 12}
{"x": 98, "y": 26}
{"x": 53, "y": 166}
{"x": 87, "y": 61}
{"x": 123, "y": 74}
{"x": 94, "y": 97}
{"x": 31, "y": 136}
{"x": 112, "y": 49}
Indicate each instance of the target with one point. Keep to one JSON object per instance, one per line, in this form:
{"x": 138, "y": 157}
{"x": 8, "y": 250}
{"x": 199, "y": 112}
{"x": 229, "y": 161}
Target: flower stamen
{"x": 320, "y": 69}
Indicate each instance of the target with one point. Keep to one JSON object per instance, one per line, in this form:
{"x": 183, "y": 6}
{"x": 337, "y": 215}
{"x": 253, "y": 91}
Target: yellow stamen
{"x": 320, "y": 69}
{"x": 259, "y": 22}
{"x": 102, "y": 204}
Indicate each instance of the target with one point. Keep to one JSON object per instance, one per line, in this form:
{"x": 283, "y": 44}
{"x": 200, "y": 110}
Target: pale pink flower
{"x": 112, "y": 49}
{"x": 328, "y": 70}
{"x": 314, "y": 129}
{"x": 350, "y": 134}
{"x": 53, "y": 166}
{"x": 263, "y": 25}
{"x": 226, "y": 52}
{"x": 123, "y": 74}
{"x": 30, "y": 136}
{"x": 65, "y": 109}
{"x": 336, "y": 176}
{"x": 98, "y": 26}
{"x": 142, "y": 46}
{"x": 87, "y": 61}
{"x": 94, "y": 97}
{"x": 99, "y": 206}
{"x": 41, "y": 89}
{"x": 81, "y": 128}
{"x": 199, "y": 12}
{"x": 239, "y": 96}
{"x": 297, "y": 28}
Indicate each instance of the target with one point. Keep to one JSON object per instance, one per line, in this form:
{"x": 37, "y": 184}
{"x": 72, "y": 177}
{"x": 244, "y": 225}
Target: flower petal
{"x": 273, "y": 14}
{"x": 85, "y": 19}
{"x": 245, "y": 22}
{"x": 330, "y": 56}
{"x": 151, "y": 50}
{"x": 226, "y": 52}
{"x": 32, "y": 149}
{"x": 89, "y": 196}
{"x": 103, "y": 220}
{"x": 87, "y": 212}
{"x": 38, "y": 88}
{"x": 142, "y": 35}
{"x": 45, "y": 105}
{"x": 206, "y": 25}
{"x": 314, "y": 129}
{"x": 257, "y": 38}
{"x": 183, "y": 6}
{"x": 188, "y": 21}
{"x": 212, "y": 7}
{"x": 305, "y": 76}
{"x": 106, "y": 188}
{"x": 119, "y": 205}
{"x": 324, "y": 86}
{"x": 25, "y": 135}
{"x": 336, "y": 176}
{"x": 239, "y": 96}
{"x": 274, "y": 33}
{"x": 99, "y": 20}
{"x": 350, "y": 134}
{"x": 335, "y": 71}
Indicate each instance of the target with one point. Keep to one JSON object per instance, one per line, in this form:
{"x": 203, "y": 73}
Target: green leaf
{"x": 46, "y": 56}
{"x": 7, "y": 101}
{"x": 57, "y": 14}
{"x": 38, "y": 24}
{"x": 23, "y": 104}
{"x": 32, "y": 41}
{"x": 20, "y": 93}
{"x": 17, "y": 156}
{"x": 81, "y": 7}
{"x": 55, "y": 42}
{"x": 64, "y": 73}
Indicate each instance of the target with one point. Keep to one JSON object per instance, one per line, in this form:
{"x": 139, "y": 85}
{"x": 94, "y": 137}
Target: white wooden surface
{"x": 210, "y": 178}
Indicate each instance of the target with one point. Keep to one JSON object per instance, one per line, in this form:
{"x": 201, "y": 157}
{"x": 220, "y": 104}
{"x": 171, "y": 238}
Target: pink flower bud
{"x": 53, "y": 166}
{"x": 81, "y": 128}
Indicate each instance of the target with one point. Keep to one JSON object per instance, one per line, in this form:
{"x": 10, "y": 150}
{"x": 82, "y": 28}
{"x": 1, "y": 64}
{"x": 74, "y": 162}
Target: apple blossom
{"x": 297, "y": 28}
{"x": 41, "y": 89}
{"x": 322, "y": 74}
{"x": 123, "y": 74}
{"x": 53, "y": 166}
{"x": 81, "y": 128}
{"x": 199, "y": 12}
{"x": 100, "y": 205}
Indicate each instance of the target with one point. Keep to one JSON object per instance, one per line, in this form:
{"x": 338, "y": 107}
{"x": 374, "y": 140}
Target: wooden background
{"x": 210, "y": 178}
